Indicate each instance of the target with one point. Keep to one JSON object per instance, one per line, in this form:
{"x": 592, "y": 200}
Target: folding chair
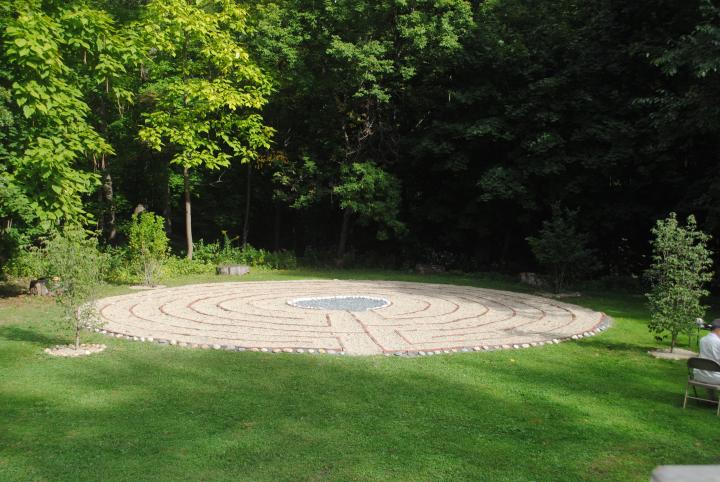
{"x": 701, "y": 364}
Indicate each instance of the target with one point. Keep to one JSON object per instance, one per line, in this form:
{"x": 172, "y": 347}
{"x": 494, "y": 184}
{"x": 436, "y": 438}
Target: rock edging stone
{"x": 232, "y": 269}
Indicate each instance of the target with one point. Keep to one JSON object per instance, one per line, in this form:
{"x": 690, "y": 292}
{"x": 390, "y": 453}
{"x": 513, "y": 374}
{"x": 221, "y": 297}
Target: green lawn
{"x": 596, "y": 409}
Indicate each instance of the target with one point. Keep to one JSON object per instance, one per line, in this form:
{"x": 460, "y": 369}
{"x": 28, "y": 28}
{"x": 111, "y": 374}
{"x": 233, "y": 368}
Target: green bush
{"x": 147, "y": 246}
{"x": 282, "y": 259}
{"x": 181, "y": 266}
{"x": 120, "y": 269}
{"x": 225, "y": 253}
{"x": 561, "y": 250}
{"x": 27, "y": 263}
{"x": 12, "y": 242}
{"x": 207, "y": 252}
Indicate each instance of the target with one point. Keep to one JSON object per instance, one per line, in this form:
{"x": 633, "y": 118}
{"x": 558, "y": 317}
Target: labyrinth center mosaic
{"x": 321, "y": 317}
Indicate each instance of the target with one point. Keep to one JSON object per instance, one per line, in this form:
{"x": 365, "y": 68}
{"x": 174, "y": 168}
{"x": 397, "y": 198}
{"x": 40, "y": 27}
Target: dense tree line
{"x": 403, "y": 130}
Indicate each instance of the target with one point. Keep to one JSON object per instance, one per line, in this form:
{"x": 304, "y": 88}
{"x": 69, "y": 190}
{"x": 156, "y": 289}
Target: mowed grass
{"x": 596, "y": 409}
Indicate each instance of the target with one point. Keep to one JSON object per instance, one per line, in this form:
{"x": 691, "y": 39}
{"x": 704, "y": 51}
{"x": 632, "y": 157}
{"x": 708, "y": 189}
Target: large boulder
{"x": 232, "y": 269}
{"x": 39, "y": 287}
{"x": 532, "y": 279}
{"x": 426, "y": 268}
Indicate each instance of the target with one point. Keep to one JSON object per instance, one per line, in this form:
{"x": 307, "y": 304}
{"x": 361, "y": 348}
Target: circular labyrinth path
{"x": 374, "y": 317}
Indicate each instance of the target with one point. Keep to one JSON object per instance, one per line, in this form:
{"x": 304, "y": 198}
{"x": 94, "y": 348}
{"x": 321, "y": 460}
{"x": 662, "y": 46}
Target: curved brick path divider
{"x": 420, "y": 319}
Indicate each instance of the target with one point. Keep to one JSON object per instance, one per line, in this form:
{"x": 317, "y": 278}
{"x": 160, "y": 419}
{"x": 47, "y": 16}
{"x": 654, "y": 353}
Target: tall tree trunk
{"x": 188, "y": 214}
{"x": 109, "y": 227}
{"x": 505, "y": 249}
{"x": 167, "y": 200}
{"x": 347, "y": 213}
{"x": 276, "y": 227}
{"x": 107, "y": 200}
{"x": 246, "y": 222}
{"x": 298, "y": 229}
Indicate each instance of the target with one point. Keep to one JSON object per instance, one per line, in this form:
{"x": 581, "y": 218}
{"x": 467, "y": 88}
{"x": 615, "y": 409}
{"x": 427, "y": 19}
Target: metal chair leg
{"x": 686, "y": 395}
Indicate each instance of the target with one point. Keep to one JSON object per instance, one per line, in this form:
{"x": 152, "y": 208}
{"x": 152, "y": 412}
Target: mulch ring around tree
{"x": 70, "y": 351}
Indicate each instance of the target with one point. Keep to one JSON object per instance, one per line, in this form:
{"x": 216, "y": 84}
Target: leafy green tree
{"x": 373, "y": 195}
{"x": 148, "y": 245}
{"x": 14, "y": 205}
{"x": 490, "y": 111}
{"x": 537, "y": 108}
{"x": 76, "y": 268}
{"x": 681, "y": 267}
{"x": 294, "y": 183}
{"x": 349, "y": 67}
{"x": 685, "y": 111}
{"x": 375, "y": 49}
{"x": 52, "y": 54}
{"x": 204, "y": 92}
{"x": 561, "y": 249}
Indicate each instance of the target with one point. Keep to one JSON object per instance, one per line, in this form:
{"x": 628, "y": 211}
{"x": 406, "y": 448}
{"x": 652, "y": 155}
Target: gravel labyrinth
{"x": 419, "y": 318}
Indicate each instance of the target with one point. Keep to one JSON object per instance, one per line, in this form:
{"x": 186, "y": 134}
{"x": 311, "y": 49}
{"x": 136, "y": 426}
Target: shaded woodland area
{"x": 384, "y": 132}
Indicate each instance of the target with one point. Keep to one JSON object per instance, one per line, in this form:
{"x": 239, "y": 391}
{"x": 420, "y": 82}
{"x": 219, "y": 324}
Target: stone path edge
{"x": 604, "y": 323}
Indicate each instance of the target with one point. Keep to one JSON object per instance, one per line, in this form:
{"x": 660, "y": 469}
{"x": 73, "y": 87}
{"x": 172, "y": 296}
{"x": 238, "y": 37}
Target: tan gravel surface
{"x": 420, "y": 319}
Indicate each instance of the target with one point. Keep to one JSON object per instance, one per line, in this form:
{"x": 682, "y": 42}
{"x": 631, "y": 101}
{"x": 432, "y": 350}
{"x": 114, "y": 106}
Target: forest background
{"x": 387, "y": 132}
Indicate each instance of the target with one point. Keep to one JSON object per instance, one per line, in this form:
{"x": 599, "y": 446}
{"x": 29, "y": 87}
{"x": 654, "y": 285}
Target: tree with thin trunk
{"x": 204, "y": 90}
{"x": 682, "y": 266}
{"x": 371, "y": 195}
{"x": 248, "y": 196}
{"x": 75, "y": 267}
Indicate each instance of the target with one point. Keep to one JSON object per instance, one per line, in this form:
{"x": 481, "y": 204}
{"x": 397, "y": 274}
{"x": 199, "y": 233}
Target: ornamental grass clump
{"x": 681, "y": 267}
{"x": 76, "y": 266}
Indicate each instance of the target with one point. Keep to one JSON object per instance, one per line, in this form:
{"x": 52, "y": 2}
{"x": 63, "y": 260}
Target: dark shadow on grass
{"x": 617, "y": 346}
{"x": 15, "y": 333}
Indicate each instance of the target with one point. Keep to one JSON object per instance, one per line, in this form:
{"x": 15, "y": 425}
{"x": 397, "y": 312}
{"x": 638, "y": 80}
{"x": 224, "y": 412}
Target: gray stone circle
{"x": 340, "y": 303}
{"x": 417, "y": 319}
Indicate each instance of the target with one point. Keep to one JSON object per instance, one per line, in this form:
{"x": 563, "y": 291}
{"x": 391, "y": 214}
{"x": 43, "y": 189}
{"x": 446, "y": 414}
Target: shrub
{"x": 29, "y": 262}
{"x": 175, "y": 266}
{"x": 282, "y": 259}
{"x": 120, "y": 269}
{"x": 147, "y": 245}
{"x": 208, "y": 253}
{"x": 680, "y": 269}
{"x": 11, "y": 243}
{"x": 225, "y": 253}
{"x": 562, "y": 250}
{"x": 76, "y": 268}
